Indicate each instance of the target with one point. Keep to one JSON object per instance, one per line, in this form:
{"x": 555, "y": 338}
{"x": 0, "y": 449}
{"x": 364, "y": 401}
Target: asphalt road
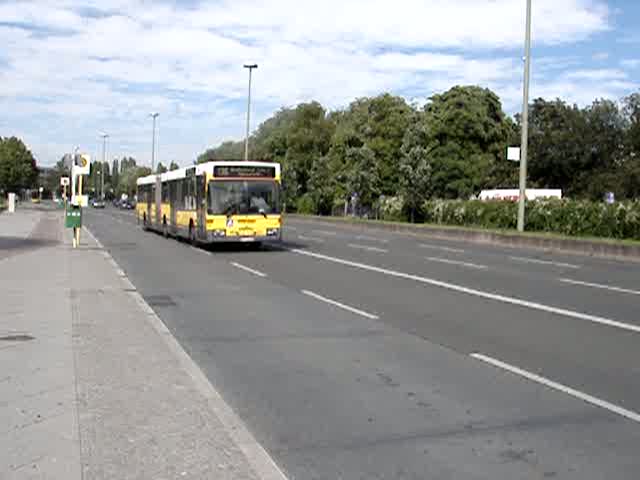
{"x": 348, "y": 351}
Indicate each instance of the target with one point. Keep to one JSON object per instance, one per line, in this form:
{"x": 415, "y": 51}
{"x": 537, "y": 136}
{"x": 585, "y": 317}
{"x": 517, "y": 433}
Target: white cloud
{"x": 597, "y": 74}
{"x": 107, "y": 69}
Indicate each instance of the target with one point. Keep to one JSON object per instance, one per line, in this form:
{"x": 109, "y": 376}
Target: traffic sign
{"x": 64, "y": 181}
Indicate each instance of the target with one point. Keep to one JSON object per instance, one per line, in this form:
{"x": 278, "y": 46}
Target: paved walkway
{"x": 92, "y": 385}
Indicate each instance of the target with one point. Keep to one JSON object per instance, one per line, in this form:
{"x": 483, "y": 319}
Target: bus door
{"x": 158, "y": 201}
{"x": 201, "y": 205}
{"x": 148, "y": 197}
{"x": 173, "y": 196}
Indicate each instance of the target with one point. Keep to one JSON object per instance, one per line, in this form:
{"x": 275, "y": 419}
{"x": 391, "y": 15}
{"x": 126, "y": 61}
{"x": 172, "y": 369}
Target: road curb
{"x": 576, "y": 246}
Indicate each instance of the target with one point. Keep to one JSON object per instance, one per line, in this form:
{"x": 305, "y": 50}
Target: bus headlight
{"x": 273, "y": 232}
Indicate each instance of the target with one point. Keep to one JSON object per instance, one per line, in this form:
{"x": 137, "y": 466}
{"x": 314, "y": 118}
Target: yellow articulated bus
{"x": 213, "y": 202}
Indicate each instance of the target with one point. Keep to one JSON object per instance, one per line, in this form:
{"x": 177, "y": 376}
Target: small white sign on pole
{"x": 12, "y": 202}
{"x": 513, "y": 154}
{"x": 64, "y": 181}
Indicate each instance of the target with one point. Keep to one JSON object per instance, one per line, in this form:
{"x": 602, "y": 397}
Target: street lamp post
{"x": 153, "y": 141}
{"x": 525, "y": 121}
{"x": 246, "y": 139}
{"x": 104, "y": 153}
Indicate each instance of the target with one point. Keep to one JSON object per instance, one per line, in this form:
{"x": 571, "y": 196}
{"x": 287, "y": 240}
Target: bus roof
{"x": 204, "y": 168}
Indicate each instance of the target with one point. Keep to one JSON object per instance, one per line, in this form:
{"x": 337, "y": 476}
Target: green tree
{"x": 414, "y": 169}
{"x": 225, "y": 151}
{"x": 17, "y": 165}
{"x": 127, "y": 163}
{"x": 161, "y": 168}
{"x": 308, "y": 138}
{"x": 470, "y": 134}
{"x": 127, "y": 181}
{"x": 173, "y": 166}
{"x": 379, "y": 123}
{"x": 321, "y": 186}
{"x": 504, "y": 173}
{"x": 363, "y": 179}
{"x": 631, "y": 111}
{"x": 53, "y": 180}
{"x": 115, "y": 173}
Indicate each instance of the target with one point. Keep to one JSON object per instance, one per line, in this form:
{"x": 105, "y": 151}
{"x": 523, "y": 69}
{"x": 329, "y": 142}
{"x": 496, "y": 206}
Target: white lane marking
{"x": 372, "y": 239}
{"x": 366, "y": 247}
{"x": 544, "y": 262}
{"x": 199, "y": 250}
{"x": 247, "y": 269}
{"x": 324, "y": 232}
{"x": 477, "y": 293}
{"x": 340, "y": 305}
{"x": 558, "y": 386}
{"x": 440, "y": 247}
{"x": 456, "y": 262}
{"x": 293, "y": 229}
{"x": 93, "y": 237}
{"x": 310, "y": 239}
{"x": 599, "y": 285}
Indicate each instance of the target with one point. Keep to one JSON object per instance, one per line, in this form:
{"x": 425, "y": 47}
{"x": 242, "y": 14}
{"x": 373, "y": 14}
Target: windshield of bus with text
{"x": 229, "y": 197}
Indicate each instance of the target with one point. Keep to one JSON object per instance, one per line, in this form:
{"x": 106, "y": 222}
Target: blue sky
{"x": 70, "y": 70}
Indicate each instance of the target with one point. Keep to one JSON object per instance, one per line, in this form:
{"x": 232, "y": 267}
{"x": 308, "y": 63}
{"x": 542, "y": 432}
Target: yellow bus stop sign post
{"x": 73, "y": 215}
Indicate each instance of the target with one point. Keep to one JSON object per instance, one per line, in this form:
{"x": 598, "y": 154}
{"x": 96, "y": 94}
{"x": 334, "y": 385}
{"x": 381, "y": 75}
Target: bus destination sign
{"x": 247, "y": 171}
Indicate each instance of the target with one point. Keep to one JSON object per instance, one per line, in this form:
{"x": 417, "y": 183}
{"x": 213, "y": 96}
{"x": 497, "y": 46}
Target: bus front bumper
{"x": 217, "y": 237}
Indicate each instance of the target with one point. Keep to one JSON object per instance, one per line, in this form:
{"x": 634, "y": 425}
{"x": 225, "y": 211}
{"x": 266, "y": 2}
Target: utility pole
{"x": 525, "y": 121}
{"x": 246, "y": 139}
{"x": 153, "y": 141}
{"x": 104, "y": 153}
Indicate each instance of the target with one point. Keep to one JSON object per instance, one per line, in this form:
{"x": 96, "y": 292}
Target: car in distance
{"x": 97, "y": 203}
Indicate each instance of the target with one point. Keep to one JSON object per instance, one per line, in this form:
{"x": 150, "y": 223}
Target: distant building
{"x": 513, "y": 194}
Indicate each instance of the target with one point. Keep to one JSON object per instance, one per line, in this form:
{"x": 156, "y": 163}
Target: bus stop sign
{"x": 73, "y": 217}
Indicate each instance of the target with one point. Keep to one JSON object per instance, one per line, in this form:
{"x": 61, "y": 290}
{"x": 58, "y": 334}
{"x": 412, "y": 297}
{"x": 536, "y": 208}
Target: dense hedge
{"x": 567, "y": 217}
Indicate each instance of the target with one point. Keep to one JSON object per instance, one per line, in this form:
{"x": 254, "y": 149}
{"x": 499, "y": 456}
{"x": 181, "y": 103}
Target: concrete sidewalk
{"x": 92, "y": 384}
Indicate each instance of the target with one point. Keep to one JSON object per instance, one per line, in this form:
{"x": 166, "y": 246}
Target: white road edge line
{"x": 368, "y": 248}
{"x": 544, "y": 262}
{"x": 599, "y": 285}
{"x": 310, "y": 239}
{"x": 477, "y": 293}
{"x": 99, "y": 245}
{"x": 200, "y": 250}
{"x": 340, "y": 305}
{"x": 440, "y": 247}
{"x": 263, "y": 464}
{"x": 247, "y": 269}
{"x": 558, "y": 386}
{"x": 456, "y": 262}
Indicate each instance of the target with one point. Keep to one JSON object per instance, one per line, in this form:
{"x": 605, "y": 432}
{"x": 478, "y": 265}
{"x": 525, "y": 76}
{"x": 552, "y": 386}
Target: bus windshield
{"x": 228, "y": 197}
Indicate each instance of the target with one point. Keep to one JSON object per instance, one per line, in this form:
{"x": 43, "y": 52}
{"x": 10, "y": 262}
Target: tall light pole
{"x": 104, "y": 157}
{"x": 524, "y": 143}
{"x": 246, "y": 139}
{"x": 153, "y": 141}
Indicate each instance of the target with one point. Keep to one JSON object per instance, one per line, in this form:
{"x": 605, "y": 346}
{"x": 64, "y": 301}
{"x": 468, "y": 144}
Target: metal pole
{"x": 525, "y": 121}
{"x": 153, "y": 142}
{"x": 104, "y": 153}
{"x": 246, "y": 138}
